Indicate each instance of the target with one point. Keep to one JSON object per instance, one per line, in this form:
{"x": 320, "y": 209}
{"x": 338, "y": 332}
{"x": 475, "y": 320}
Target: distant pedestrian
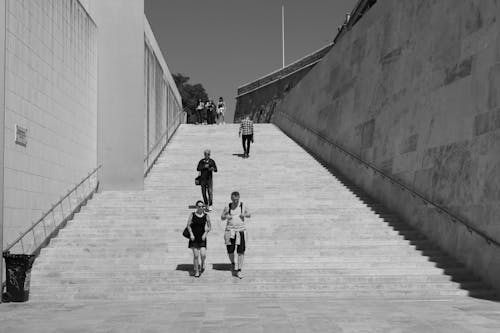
{"x": 246, "y": 133}
{"x": 199, "y": 226}
{"x": 211, "y": 112}
{"x": 235, "y": 236}
{"x": 204, "y": 113}
{"x": 199, "y": 111}
{"x": 206, "y": 167}
{"x": 221, "y": 109}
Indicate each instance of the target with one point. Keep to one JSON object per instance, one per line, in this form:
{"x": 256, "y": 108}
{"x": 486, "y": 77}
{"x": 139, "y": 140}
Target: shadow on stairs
{"x": 457, "y": 272}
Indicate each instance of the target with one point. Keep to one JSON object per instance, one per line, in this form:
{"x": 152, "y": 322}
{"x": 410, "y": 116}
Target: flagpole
{"x": 283, "y": 33}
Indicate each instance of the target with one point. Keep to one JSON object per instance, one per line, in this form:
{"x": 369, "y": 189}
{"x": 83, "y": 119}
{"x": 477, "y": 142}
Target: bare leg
{"x": 231, "y": 257}
{"x": 196, "y": 261}
{"x": 240, "y": 261}
{"x": 203, "y": 254}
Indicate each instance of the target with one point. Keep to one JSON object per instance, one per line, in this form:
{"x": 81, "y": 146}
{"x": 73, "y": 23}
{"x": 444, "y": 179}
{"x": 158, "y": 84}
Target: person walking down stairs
{"x": 221, "y": 109}
{"x": 246, "y": 133}
{"x": 199, "y": 226}
{"x": 206, "y": 167}
{"x": 235, "y": 235}
{"x": 199, "y": 112}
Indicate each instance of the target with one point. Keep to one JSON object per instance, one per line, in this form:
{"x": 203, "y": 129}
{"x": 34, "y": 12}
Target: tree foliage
{"x": 190, "y": 94}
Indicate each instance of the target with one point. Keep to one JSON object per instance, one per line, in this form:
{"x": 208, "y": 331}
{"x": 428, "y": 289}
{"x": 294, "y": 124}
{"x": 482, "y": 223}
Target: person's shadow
{"x": 224, "y": 267}
{"x": 186, "y": 268}
{"x": 217, "y": 267}
{"x": 239, "y": 155}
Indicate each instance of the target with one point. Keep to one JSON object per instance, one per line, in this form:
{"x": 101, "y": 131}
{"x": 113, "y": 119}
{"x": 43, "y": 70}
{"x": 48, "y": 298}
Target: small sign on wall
{"x": 21, "y": 136}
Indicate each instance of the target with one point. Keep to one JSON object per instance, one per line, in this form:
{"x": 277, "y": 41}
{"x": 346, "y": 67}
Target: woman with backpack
{"x": 199, "y": 226}
{"x": 235, "y": 213}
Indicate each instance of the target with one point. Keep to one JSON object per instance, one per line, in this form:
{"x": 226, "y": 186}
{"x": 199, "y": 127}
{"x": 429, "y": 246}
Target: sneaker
{"x": 210, "y": 208}
{"x": 239, "y": 274}
{"x": 197, "y": 274}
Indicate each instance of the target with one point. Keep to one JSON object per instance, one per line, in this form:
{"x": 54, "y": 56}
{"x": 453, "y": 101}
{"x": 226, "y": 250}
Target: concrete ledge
{"x": 306, "y": 61}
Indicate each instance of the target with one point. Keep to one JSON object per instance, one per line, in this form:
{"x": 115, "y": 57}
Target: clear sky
{"x": 223, "y": 44}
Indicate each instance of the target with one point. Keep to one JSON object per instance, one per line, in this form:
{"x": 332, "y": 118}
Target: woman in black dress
{"x": 199, "y": 226}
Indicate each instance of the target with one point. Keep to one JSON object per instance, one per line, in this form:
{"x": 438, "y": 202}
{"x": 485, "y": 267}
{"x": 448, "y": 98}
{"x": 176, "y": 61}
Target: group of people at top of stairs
{"x": 234, "y": 214}
{"x": 207, "y": 113}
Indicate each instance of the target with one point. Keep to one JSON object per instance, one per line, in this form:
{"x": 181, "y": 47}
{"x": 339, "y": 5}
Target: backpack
{"x": 241, "y": 208}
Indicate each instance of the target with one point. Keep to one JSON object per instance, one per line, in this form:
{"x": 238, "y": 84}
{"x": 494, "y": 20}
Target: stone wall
{"x": 414, "y": 90}
{"x": 258, "y": 98}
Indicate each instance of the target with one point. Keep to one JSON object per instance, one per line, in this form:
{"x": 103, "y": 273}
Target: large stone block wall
{"x": 259, "y": 98}
{"x": 51, "y": 90}
{"x": 414, "y": 89}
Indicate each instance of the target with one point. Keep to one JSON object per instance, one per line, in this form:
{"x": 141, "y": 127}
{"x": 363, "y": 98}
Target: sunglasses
{"x": 201, "y": 206}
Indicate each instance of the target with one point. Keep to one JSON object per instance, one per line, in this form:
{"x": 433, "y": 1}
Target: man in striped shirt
{"x": 246, "y": 133}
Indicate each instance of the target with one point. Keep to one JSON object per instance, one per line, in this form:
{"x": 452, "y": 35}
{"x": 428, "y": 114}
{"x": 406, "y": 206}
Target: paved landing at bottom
{"x": 264, "y": 315}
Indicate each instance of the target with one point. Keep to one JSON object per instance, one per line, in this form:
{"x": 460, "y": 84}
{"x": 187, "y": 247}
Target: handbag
{"x": 186, "y": 234}
{"x": 197, "y": 180}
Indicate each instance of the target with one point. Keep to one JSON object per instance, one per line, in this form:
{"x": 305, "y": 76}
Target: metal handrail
{"x": 155, "y": 145}
{"x": 51, "y": 209}
{"x": 146, "y": 159}
{"x": 159, "y": 140}
{"x": 414, "y": 194}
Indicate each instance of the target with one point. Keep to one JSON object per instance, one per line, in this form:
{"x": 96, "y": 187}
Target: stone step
{"x": 181, "y": 250}
{"x": 274, "y": 265}
{"x": 183, "y": 269}
{"x": 207, "y": 286}
{"x": 243, "y": 295}
{"x": 222, "y": 271}
{"x": 252, "y": 259}
{"x": 253, "y": 235}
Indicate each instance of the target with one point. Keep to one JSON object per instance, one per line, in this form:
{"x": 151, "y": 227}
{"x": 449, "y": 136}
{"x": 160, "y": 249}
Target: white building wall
{"x": 79, "y": 113}
{"x": 121, "y": 93}
{"x": 51, "y": 90}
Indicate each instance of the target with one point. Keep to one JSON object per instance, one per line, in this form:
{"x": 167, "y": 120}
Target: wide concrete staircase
{"x": 311, "y": 234}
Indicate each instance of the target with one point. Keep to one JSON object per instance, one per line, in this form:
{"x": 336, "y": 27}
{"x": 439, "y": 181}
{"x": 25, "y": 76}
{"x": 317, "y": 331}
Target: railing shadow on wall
{"x": 440, "y": 210}
{"x": 47, "y": 227}
{"x": 160, "y": 145}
